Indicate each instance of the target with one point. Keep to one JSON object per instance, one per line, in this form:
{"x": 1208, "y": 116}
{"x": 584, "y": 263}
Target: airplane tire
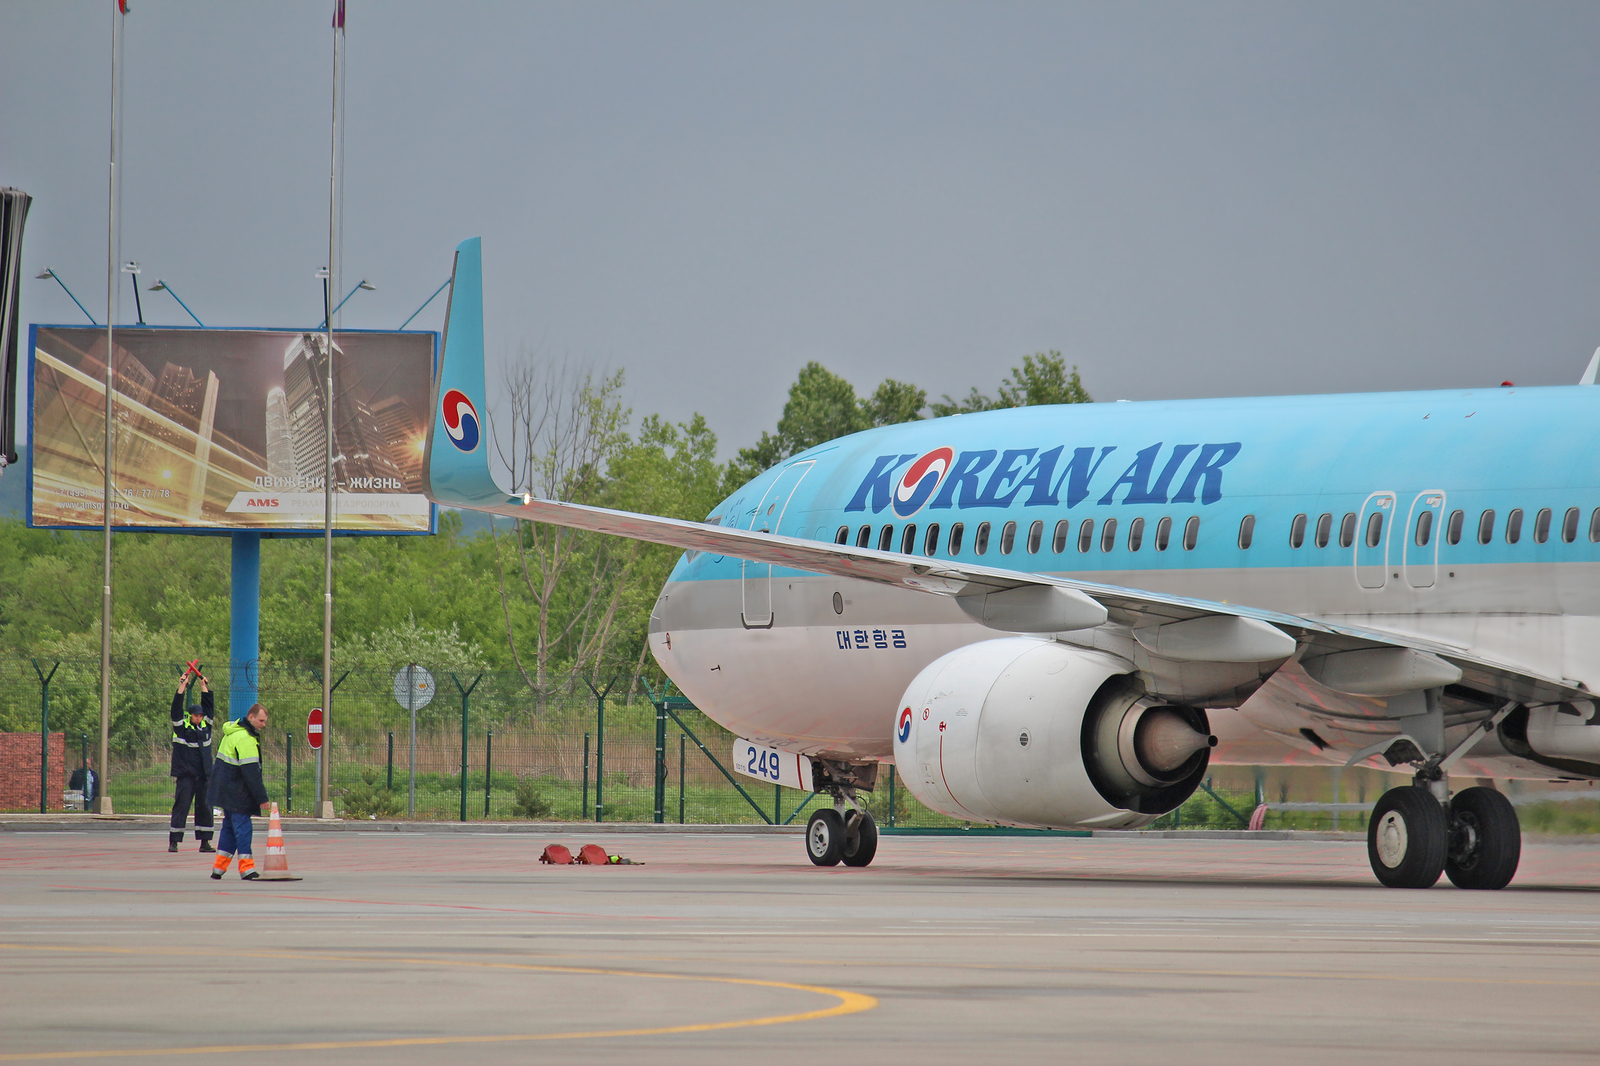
{"x": 861, "y": 840}
{"x": 825, "y": 837}
{"x": 1407, "y": 838}
{"x": 1485, "y": 840}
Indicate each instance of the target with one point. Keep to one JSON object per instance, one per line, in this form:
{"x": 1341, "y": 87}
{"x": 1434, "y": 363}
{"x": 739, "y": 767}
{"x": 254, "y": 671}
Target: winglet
{"x": 456, "y": 460}
{"x": 1593, "y": 369}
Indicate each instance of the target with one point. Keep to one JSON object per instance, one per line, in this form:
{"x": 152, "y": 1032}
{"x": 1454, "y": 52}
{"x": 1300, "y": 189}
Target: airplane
{"x": 1060, "y": 616}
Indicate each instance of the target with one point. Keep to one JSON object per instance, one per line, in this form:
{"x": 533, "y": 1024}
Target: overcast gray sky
{"x": 1185, "y": 199}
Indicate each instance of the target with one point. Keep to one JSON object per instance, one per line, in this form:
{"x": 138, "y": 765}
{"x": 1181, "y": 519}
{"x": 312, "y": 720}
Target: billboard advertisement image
{"x": 226, "y": 429}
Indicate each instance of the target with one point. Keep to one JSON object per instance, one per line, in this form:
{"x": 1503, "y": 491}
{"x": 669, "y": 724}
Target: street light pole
{"x": 425, "y": 303}
{"x": 330, "y": 276}
{"x": 130, "y": 267}
{"x": 162, "y": 286}
{"x": 48, "y": 273}
{"x": 364, "y": 284}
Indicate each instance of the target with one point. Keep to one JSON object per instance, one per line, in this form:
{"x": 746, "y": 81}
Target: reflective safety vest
{"x": 239, "y": 746}
{"x": 236, "y": 784}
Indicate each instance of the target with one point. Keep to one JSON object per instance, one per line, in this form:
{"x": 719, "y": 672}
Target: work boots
{"x": 205, "y": 845}
{"x": 247, "y": 868}
{"x": 219, "y": 866}
{"x": 172, "y": 845}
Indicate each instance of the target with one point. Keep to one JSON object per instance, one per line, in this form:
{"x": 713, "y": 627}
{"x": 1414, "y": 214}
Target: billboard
{"x": 226, "y": 429}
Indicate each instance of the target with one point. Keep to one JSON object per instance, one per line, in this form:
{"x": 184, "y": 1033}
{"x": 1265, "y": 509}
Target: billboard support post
{"x": 244, "y": 628}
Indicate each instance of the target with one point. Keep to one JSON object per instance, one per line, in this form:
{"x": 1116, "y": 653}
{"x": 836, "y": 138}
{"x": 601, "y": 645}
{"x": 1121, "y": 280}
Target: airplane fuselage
{"x": 1367, "y": 509}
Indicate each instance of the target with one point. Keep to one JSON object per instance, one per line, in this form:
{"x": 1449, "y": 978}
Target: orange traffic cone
{"x": 275, "y": 867}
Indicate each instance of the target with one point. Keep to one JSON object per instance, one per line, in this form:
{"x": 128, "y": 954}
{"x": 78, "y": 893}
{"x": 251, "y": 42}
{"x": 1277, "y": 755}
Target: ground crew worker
{"x": 236, "y": 787}
{"x": 191, "y": 762}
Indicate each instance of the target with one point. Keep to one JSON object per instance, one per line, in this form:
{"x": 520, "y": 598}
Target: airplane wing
{"x": 457, "y": 474}
{"x": 1079, "y": 605}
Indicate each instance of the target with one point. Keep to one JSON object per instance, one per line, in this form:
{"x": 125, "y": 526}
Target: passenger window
{"x": 1452, "y": 530}
{"x": 1324, "y": 530}
{"x": 1424, "y": 528}
{"x": 886, "y": 539}
{"x": 1514, "y": 526}
{"x": 1486, "y": 526}
{"x": 1108, "y": 534}
{"x": 843, "y": 536}
{"x": 1085, "y": 534}
{"x": 908, "y": 539}
{"x": 1297, "y": 531}
{"x": 1347, "y": 530}
{"x": 1035, "y": 537}
{"x": 1058, "y": 540}
{"x": 1541, "y": 526}
{"x": 980, "y": 539}
{"x": 1163, "y": 534}
{"x": 1136, "y": 534}
{"x": 1191, "y": 533}
{"x": 930, "y": 543}
{"x": 864, "y": 536}
{"x": 1247, "y": 531}
{"x": 955, "y": 538}
{"x": 1008, "y": 538}
{"x": 1569, "y": 525}
{"x": 1375, "y": 529}
{"x": 1594, "y": 526}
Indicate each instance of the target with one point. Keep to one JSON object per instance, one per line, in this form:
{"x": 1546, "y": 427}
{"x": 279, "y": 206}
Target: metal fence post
{"x": 777, "y": 804}
{"x": 488, "y": 770}
{"x": 586, "y": 777}
{"x": 388, "y": 781}
{"x": 661, "y": 763}
{"x": 891, "y": 796}
{"x": 600, "y": 745}
{"x": 682, "y": 740}
{"x": 44, "y": 731}
{"x": 288, "y": 771}
{"x": 466, "y": 697}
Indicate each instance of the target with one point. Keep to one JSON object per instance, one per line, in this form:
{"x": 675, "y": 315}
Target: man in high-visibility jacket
{"x": 191, "y": 762}
{"x": 236, "y": 787}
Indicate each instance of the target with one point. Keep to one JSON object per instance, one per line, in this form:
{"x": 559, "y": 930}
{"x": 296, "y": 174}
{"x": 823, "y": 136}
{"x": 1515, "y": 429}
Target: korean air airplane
{"x": 1060, "y": 616}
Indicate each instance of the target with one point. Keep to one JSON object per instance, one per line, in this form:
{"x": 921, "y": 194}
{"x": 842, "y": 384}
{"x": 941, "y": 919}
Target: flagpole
{"x": 324, "y": 804}
{"x": 103, "y": 794}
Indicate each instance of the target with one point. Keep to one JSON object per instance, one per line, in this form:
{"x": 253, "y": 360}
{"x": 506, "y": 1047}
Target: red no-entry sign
{"x": 314, "y": 727}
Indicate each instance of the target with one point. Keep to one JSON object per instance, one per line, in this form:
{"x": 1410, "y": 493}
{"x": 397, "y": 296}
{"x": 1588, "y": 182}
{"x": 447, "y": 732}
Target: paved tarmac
{"x": 429, "y": 947}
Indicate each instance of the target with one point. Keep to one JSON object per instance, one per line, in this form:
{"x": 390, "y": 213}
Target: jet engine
{"x": 1023, "y": 731}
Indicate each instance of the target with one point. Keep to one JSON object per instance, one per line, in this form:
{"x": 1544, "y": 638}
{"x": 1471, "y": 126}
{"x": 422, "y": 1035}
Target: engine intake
{"x": 1023, "y": 731}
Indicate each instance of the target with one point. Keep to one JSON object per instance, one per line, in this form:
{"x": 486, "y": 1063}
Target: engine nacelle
{"x": 1022, "y": 731}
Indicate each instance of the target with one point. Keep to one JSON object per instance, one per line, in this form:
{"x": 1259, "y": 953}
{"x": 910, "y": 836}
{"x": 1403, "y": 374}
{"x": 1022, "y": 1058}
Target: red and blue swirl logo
{"x": 921, "y": 481}
{"x": 460, "y": 420}
{"x": 904, "y": 731}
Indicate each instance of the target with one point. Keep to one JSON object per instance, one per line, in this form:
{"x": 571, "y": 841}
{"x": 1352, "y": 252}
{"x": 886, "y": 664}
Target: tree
{"x": 563, "y": 428}
{"x": 1041, "y": 379}
{"x": 823, "y": 406}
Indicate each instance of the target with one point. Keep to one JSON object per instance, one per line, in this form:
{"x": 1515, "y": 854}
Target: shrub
{"x": 530, "y": 802}
{"x": 371, "y": 800}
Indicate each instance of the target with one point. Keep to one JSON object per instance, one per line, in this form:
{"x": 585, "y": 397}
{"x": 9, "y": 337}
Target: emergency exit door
{"x": 1372, "y": 540}
{"x": 768, "y": 518}
{"x": 1424, "y": 526}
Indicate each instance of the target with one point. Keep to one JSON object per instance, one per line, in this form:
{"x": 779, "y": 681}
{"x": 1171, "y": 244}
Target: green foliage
{"x": 370, "y": 799}
{"x": 1042, "y": 378}
{"x": 530, "y": 801}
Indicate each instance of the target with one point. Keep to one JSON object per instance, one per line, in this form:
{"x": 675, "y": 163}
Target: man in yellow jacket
{"x": 237, "y": 788}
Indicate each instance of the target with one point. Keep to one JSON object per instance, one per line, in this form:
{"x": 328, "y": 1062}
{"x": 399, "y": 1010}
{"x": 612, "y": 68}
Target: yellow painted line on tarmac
{"x": 849, "y": 1003}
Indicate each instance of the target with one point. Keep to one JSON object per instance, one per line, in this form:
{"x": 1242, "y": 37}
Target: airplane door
{"x": 1421, "y": 538}
{"x": 1372, "y": 540}
{"x": 768, "y": 518}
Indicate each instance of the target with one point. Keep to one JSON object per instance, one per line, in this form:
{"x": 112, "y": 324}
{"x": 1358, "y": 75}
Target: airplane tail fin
{"x": 456, "y": 460}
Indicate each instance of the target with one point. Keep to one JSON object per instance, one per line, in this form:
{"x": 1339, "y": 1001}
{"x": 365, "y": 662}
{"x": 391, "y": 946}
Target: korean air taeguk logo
{"x": 921, "y": 481}
{"x": 460, "y": 420}
{"x": 903, "y": 730}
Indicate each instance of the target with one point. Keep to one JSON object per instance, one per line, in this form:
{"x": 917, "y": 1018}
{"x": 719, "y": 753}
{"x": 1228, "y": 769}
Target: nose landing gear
{"x": 850, "y": 837}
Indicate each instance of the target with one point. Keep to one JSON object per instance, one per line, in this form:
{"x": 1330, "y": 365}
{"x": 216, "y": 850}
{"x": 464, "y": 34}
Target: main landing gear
{"x": 846, "y": 831}
{"x": 849, "y": 836}
{"x": 1414, "y": 837}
